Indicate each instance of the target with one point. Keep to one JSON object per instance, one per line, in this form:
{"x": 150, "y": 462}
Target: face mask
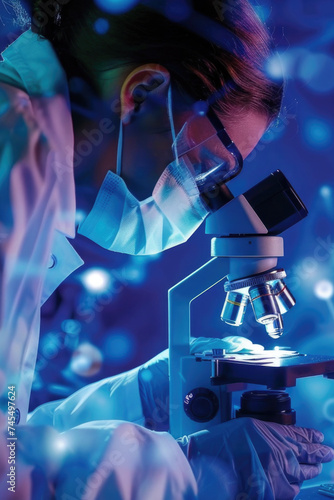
{"x": 120, "y": 222}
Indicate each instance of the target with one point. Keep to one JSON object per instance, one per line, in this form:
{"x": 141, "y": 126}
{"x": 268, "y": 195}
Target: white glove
{"x": 232, "y": 344}
{"x": 249, "y": 459}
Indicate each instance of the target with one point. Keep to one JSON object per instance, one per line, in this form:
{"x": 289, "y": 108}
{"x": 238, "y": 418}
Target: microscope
{"x": 245, "y": 250}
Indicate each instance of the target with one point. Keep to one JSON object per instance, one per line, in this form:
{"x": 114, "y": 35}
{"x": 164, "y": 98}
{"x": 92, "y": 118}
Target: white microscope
{"x": 245, "y": 251}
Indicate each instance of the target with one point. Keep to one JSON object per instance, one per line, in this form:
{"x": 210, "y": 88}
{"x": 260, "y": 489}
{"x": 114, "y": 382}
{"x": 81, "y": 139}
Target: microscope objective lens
{"x": 264, "y": 303}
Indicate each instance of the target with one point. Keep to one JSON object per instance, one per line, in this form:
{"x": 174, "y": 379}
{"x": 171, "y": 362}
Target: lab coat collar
{"x": 36, "y": 64}
{"x": 30, "y": 63}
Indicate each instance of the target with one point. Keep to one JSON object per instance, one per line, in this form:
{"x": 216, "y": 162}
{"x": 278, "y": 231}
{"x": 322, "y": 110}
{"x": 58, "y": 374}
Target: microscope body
{"x": 246, "y": 255}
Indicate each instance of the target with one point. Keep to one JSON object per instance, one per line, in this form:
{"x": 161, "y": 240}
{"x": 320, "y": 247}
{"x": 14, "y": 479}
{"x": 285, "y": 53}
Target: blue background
{"x": 111, "y": 315}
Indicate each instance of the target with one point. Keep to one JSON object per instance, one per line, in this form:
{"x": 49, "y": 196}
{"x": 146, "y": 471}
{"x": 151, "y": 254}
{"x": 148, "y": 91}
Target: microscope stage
{"x": 275, "y": 373}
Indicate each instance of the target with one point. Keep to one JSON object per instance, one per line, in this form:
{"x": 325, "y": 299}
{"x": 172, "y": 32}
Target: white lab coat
{"x": 109, "y": 459}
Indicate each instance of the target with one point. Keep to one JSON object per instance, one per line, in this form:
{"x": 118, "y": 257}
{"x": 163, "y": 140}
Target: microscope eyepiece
{"x": 276, "y": 203}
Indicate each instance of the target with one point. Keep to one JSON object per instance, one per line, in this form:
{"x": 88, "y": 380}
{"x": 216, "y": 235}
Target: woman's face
{"x": 146, "y": 153}
{"x": 147, "y": 137}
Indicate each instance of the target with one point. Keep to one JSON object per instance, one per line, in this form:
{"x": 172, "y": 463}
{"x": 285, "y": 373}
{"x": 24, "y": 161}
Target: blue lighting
{"x": 263, "y": 12}
{"x": 59, "y": 390}
{"x": 80, "y": 215}
{"x": 201, "y": 108}
{"x": 318, "y": 133}
{"x": 4, "y": 103}
{"x": 119, "y": 346}
{"x": 329, "y": 410}
{"x": 146, "y": 375}
{"x": 101, "y": 26}
{"x": 76, "y": 85}
{"x": 37, "y": 382}
{"x": 134, "y": 274}
{"x": 317, "y": 71}
{"x": 177, "y": 10}
{"x": 116, "y": 6}
{"x": 59, "y": 444}
{"x": 50, "y": 345}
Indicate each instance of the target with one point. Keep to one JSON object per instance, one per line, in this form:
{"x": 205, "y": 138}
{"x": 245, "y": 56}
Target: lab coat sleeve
{"x": 36, "y": 200}
{"x": 113, "y": 398}
{"x": 139, "y": 395}
{"x": 102, "y": 460}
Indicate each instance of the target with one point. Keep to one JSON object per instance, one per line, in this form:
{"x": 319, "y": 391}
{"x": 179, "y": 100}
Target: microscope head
{"x": 251, "y": 223}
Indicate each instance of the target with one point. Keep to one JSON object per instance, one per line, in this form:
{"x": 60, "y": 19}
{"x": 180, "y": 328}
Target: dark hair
{"x": 221, "y": 46}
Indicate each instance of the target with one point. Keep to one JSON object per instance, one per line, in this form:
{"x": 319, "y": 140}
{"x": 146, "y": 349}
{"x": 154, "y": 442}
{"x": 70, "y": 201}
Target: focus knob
{"x": 201, "y": 404}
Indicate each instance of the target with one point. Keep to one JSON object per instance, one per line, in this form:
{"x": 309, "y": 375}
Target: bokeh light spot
{"x": 134, "y": 274}
{"x": 274, "y": 67}
{"x": 71, "y": 326}
{"x": 119, "y": 346}
{"x": 80, "y": 216}
{"x": 101, "y": 26}
{"x": 324, "y": 290}
{"x": 318, "y": 134}
{"x": 201, "y": 108}
{"x": 146, "y": 375}
{"x": 317, "y": 72}
{"x": 96, "y": 280}
{"x": 326, "y": 192}
{"x": 50, "y": 345}
{"x": 328, "y": 410}
{"x": 86, "y": 360}
{"x": 116, "y": 6}
{"x": 60, "y": 444}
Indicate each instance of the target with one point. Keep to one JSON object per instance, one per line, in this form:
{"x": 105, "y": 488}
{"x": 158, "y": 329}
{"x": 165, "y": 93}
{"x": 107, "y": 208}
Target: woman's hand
{"x": 247, "y": 459}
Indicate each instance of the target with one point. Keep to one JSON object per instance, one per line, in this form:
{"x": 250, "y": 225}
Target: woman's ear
{"x": 141, "y": 84}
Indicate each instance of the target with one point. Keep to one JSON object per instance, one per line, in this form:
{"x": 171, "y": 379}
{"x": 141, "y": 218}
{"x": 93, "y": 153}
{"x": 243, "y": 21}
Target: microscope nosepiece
{"x": 234, "y": 309}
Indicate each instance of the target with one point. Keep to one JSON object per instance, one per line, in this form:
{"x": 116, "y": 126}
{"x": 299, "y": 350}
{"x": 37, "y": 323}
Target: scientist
{"x": 134, "y": 83}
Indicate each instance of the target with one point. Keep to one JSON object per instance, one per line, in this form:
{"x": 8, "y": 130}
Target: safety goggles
{"x": 214, "y": 160}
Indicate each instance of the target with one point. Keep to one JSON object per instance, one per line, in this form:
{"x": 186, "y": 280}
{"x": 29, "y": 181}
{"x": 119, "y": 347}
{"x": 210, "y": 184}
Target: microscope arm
{"x": 179, "y": 301}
